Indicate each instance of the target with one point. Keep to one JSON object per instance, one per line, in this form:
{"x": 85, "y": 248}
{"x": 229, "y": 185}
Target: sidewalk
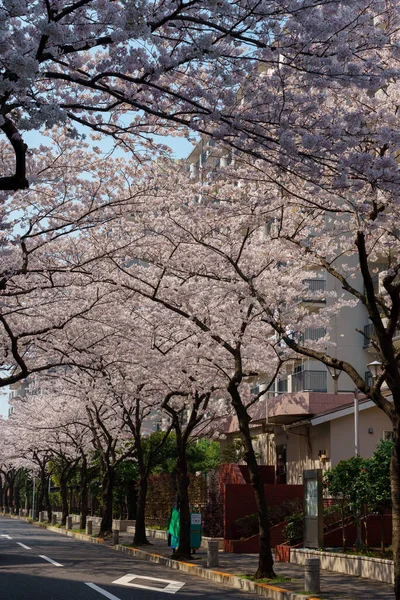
{"x": 334, "y": 586}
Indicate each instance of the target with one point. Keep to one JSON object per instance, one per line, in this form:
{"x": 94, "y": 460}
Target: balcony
{"x": 282, "y": 386}
{"x": 313, "y": 291}
{"x": 290, "y": 407}
{"x": 312, "y": 334}
{"x": 369, "y": 335}
{"x": 310, "y": 381}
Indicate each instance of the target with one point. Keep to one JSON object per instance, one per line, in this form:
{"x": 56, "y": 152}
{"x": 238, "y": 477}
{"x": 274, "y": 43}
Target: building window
{"x": 388, "y": 434}
{"x": 282, "y": 385}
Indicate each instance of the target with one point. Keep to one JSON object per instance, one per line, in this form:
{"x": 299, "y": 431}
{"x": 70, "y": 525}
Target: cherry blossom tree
{"x": 74, "y": 193}
{"x": 126, "y": 72}
{"x": 230, "y": 342}
{"x": 243, "y": 229}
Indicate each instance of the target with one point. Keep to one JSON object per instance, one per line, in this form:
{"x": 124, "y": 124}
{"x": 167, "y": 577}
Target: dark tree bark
{"x": 184, "y": 428}
{"x": 47, "y": 502}
{"x": 183, "y": 481}
{"x": 17, "y": 492}
{"x": 134, "y": 414}
{"x": 140, "y": 537}
{"x": 84, "y": 494}
{"x": 265, "y": 559}
{"x": 107, "y": 501}
{"x": 64, "y": 499}
{"x": 11, "y": 489}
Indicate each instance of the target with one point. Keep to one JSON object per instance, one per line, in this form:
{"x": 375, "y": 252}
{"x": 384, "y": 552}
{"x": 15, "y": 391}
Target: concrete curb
{"x": 260, "y": 589}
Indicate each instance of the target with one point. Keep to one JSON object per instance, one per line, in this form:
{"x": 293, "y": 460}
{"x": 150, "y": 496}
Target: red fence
{"x": 239, "y": 501}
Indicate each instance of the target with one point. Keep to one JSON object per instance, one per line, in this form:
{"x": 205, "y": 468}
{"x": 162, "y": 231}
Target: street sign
{"x": 313, "y": 509}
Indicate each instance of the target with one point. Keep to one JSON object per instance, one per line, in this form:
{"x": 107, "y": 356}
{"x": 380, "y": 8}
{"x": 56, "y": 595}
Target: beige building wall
{"x": 342, "y": 434}
{"x": 302, "y": 447}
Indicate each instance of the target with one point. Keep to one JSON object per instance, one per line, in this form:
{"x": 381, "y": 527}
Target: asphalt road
{"x": 36, "y": 564}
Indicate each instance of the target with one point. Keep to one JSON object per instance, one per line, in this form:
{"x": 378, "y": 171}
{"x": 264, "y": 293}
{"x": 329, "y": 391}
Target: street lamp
{"x": 376, "y": 369}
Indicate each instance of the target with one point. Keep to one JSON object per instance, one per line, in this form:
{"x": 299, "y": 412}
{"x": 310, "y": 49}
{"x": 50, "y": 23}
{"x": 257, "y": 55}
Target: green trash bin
{"x": 174, "y": 529}
{"x": 195, "y": 530}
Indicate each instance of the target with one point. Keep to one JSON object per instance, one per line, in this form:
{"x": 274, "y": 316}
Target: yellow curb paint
{"x": 269, "y": 587}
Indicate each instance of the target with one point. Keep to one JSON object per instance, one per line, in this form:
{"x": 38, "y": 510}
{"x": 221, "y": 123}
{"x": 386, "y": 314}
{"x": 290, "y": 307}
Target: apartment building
{"x": 306, "y": 419}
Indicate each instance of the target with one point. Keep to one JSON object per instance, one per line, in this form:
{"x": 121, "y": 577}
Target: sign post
{"x": 313, "y": 509}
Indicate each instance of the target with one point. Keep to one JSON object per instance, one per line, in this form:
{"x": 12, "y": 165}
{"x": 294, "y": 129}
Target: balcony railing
{"x": 369, "y": 334}
{"x": 312, "y": 334}
{"x": 313, "y": 286}
{"x": 311, "y": 381}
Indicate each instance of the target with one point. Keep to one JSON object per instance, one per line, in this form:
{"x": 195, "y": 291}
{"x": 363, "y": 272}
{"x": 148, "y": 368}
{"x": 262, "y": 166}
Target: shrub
{"x": 247, "y": 526}
{"x": 294, "y": 530}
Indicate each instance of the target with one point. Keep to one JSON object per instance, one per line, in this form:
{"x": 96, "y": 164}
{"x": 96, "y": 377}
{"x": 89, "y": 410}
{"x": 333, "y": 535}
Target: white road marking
{"x": 23, "y": 545}
{"x": 6, "y": 536}
{"x": 171, "y": 588}
{"x": 101, "y": 591}
{"x": 50, "y": 560}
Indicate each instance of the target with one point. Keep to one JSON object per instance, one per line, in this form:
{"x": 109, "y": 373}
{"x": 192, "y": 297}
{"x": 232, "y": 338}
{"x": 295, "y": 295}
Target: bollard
{"x": 312, "y": 576}
{"x": 20, "y": 512}
{"x": 68, "y": 523}
{"x": 41, "y": 517}
{"x": 115, "y": 537}
{"x": 89, "y": 527}
{"x": 212, "y": 553}
{"x": 53, "y": 519}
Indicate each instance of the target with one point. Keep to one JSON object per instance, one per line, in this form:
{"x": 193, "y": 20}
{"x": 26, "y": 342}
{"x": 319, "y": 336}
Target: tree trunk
{"x": 84, "y": 495}
{"x": 64, "y": 499}
{"x": 11, "y": 493}
{"x": 47, "y": 502}
{"x": 265, "y": 560}
{"x": 27, "y": 497}
{"x": 42, "y": 488}
{"x": 17, "y": 494}
{"x": 395, "y": 485}
{"x": 5, "y": 495}
{"x": 184, "y": 549}
{"x": 107, "y": 498}
{"x": 140, "y": 528}
{"x": 131, "y": 503}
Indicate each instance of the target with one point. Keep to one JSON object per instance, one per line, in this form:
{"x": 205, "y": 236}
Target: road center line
{"x": 23, "y": 546}
{"x": 101, "y": 591}
{"x": 50, "y": 560}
